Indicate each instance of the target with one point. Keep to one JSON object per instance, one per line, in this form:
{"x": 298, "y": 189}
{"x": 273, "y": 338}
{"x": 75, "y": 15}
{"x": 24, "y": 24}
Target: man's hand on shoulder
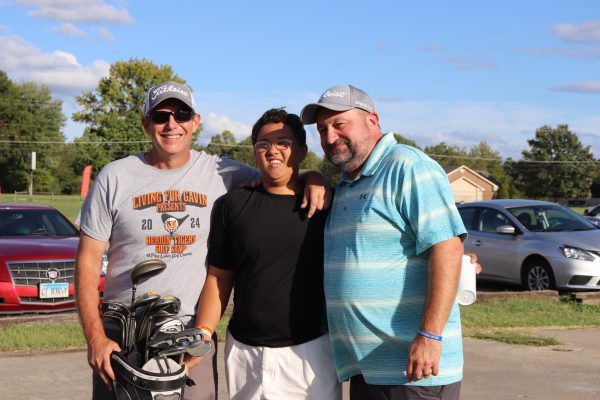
{"x": 317, "y": 193}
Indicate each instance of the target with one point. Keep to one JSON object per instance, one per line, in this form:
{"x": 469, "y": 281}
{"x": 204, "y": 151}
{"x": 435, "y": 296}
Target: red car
{"x": 38, "y": 246}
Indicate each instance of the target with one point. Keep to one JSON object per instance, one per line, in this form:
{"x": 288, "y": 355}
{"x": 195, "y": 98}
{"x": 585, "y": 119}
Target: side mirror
{"x": 586, "y": 212}
{"x": 506, "y": 229}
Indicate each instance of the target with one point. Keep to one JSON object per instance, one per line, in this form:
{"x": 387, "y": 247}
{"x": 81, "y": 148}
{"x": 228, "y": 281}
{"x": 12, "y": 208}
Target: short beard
{"x": 346, "y": 161}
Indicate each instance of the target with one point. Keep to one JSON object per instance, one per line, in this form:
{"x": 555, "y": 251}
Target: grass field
{"x": 70, "y": 204}
{"x": 66, "y": 204}
{"x": 510, "y": 321}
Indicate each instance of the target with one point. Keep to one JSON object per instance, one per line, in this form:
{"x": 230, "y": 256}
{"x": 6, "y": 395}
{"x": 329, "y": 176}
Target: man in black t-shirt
{"x": 263, "y": 244}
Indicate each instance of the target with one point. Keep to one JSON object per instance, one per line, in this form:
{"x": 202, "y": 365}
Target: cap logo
{"x": 168, "y": 88}
{"x": 364, "y": 106}
{"x": 333, "y": 93}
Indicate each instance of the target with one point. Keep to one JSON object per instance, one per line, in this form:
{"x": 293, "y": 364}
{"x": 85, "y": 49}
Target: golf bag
{"x": 146, "y": 369}
{"x": 161, "y": 378}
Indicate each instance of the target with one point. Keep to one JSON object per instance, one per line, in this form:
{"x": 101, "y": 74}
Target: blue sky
{"x": 460, "y": 72}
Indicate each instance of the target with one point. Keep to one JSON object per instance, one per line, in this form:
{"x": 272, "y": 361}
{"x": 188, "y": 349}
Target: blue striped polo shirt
{"x": 377, "y": 241}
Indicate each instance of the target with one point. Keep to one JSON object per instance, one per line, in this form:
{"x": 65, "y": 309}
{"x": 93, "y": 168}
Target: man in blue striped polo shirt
{"x": 393, "y": 247}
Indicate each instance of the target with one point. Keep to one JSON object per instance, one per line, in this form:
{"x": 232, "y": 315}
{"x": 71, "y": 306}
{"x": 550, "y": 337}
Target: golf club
{"x": 166, "y": 306}
{"x": 119, "y": 312}
{"x": 144, "y": 300}
{"x": 144, "y": 269}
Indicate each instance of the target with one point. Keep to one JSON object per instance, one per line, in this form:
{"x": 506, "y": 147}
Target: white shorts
{"x": 304, "y": 371}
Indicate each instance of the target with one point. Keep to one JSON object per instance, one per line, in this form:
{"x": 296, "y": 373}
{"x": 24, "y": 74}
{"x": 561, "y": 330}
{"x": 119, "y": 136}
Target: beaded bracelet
{"x": 429, "y": 335}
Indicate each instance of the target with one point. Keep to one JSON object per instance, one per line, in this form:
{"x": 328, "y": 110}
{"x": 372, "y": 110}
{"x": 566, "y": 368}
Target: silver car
{"x": 593, "y": 215}
{"x": 536, "y": 244}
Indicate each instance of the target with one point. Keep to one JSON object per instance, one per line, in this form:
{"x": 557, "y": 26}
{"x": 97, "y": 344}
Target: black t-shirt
{"x": 276, "y": 253}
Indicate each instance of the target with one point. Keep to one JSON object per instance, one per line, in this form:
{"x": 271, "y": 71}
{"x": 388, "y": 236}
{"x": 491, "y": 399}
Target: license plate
{"x": 54, "y": 290}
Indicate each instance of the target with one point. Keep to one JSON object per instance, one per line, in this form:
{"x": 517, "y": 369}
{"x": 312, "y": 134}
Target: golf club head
{"x": 160, "y": 339}
{"x": 173, "y": 350}
{"x": 199, "y": 348}
{"x": 144, "y": 300}
{"x": 167, "y": 306}
{"x": 121, "y": 324}
{"x": 190, "y": 335}
{"x": 146, "y": 269}
{"x": 171, "y": 325}
{"x": 121, "y": 313}
{"x": 116, "y": 307}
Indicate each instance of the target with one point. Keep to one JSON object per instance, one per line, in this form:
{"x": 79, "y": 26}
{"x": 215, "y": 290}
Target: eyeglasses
{"x": 264, "y": 146}
{"x": 162, "y": 117}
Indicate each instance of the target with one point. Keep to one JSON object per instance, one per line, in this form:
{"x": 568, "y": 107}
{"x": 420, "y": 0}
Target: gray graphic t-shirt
{"x": 146, "y": 212}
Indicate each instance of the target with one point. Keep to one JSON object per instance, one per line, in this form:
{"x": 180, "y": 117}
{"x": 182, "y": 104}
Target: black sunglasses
{"x": 162, "y": 117}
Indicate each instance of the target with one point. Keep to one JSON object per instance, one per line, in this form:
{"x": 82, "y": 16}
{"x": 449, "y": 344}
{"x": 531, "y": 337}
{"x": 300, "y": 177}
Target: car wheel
{"x": 537, "y": 275}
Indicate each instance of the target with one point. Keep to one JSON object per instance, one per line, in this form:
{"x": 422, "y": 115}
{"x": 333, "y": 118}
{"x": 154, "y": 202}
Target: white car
{"x": 536, "y": 244}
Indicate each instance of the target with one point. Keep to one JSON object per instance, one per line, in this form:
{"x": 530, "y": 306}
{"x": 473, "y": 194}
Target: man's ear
{"x": 146, "y": 123}
{"x": 373, "y": 119}
{"x": 197, "y": 122}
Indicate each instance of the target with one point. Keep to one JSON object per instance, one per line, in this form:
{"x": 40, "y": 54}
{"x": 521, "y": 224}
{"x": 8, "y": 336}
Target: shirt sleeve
{"x": 235, "y": 173}
{"x": 219, "y": 243}
{"x": 427, "y": 200}
{"x": 95, "y": 217}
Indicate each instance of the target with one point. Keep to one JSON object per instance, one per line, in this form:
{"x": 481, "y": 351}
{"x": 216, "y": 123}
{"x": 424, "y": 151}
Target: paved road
{"x": 493, "y": 371}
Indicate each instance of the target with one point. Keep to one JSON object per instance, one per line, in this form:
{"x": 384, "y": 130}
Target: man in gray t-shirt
{"x": 154, "y": 205}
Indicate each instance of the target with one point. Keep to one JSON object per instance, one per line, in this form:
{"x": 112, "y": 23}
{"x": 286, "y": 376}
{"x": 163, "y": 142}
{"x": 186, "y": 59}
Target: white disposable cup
{"x": 467, "y": 287}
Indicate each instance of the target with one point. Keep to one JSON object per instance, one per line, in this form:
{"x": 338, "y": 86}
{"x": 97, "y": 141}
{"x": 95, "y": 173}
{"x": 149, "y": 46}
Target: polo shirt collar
{"x": 375, "y": 158}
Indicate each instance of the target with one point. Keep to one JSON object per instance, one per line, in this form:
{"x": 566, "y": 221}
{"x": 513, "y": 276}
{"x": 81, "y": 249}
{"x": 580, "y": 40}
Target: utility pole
{"x": 31, "y": 169}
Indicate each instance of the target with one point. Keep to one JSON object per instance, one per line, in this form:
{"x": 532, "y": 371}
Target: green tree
{"x": 312, "y": 162}
{"x": 244, "y": 152}
{"x": 482, "y": 157}
{"x": 446, "y": 154}
{"x": 556, "y": 165}
{"x": 487, "y": 161}
{"x": 404, "y": 140}
{"x": 113, "y": 110}
{"x": 225, "y": 144}
{"x": 29, "y": 116}
{"x": 331, "y": 172}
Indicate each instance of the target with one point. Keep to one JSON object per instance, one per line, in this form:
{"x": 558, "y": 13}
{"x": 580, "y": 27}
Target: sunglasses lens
{"x": 162, "y": 117}
{"x": 183, "y": 115}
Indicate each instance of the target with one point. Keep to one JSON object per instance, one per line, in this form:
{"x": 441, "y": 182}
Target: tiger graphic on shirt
{"x": 173, "y": 210}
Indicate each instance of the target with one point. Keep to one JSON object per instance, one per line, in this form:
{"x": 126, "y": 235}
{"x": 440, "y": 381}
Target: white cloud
{"x": 383, "y": 48}
{"x": 58, "y": 70}
{"x": 4, "y": 28}
{"x": 582, "y": 53}
{"x": 506, "y": 127}
{"x": 84, "y": 11}
{"x": 68, "y": 29}
{"x": 434, "y": 48}
{"x": 468, "y": 63}
{"x": 588, "y": 32}
{"x": 579, "y": 87}
{"x": 214, "y": 124}
{"x": 104, "y": 34}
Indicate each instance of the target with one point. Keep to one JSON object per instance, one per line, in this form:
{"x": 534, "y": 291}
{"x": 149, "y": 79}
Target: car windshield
{"x": 35, "y": 222}
{"x": 550, "y": 218}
